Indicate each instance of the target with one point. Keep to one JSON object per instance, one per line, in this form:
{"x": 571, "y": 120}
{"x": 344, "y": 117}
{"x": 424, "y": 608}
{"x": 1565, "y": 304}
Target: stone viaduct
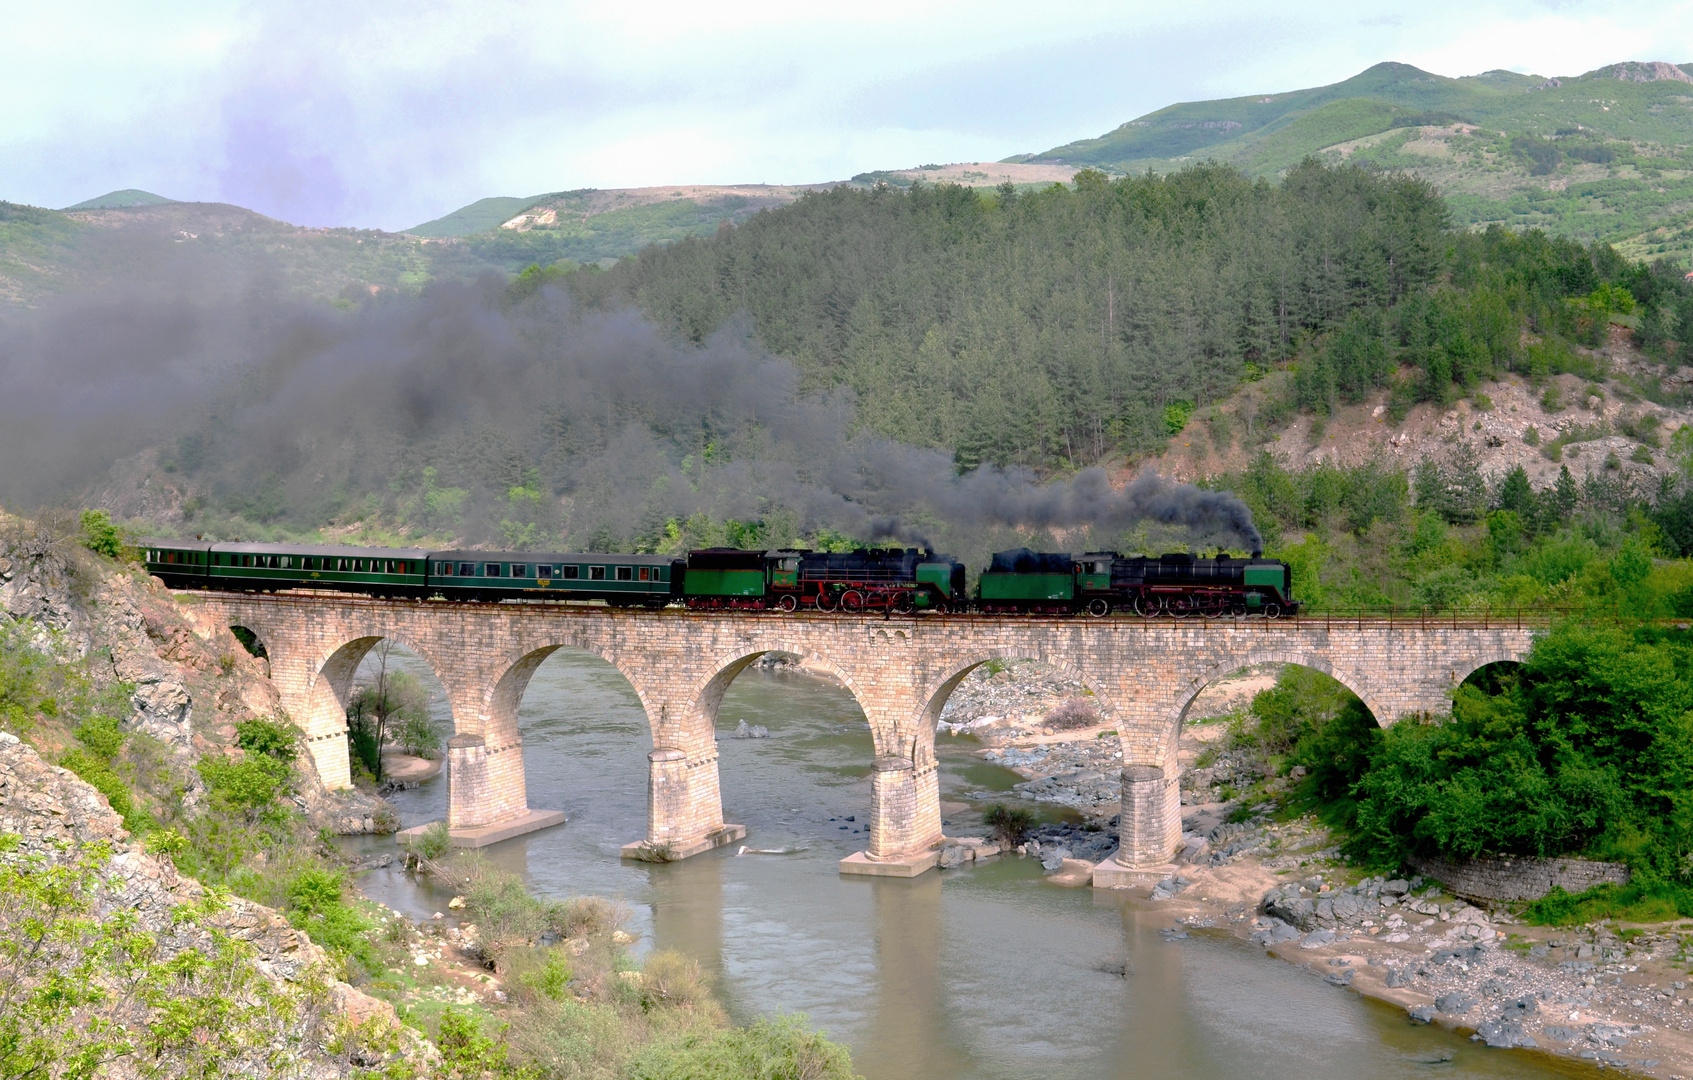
{"x": 1144, "y": 674}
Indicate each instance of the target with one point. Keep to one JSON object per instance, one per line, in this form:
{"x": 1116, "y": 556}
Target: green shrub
{"x": 767, "y": 1050}
{"x": 541, "y": 971}
{"x": 1176, "y": 416}
{"x": 1659, "y": 902}
{"x": 435, "y": 841}
{"x": 99, "y": 535}
{"x": 248, "y": 788}
{"x": 1009, "y": 824}
{"x": 272, "y": 738}
{"x": 101, "y": 735}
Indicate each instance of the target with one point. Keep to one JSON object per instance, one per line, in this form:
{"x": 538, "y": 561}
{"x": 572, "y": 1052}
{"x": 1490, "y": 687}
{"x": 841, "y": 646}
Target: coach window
{"x": 467, "y": 569}
{"x": 596, "y": 573}
{"x": 570, "y": 573}
{"x": 491, "y": 570}
{"x": 643, "y": 574}
{"x": 625, "y": 573}
{"x": 542, "y": 570}
{"x": 519, "y": 570}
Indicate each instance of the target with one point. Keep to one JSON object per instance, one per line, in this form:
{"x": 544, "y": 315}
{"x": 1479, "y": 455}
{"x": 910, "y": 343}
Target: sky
{"x": 385, "y": 115}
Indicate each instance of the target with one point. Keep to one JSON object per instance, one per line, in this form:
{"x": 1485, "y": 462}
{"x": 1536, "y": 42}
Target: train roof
{"x": 167, "y": 542}
{"x": 606, "y": 557}
{"x": 338, "y": 550}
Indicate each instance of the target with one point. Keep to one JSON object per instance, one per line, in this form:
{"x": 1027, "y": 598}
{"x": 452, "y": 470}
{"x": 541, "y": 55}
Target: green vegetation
{"x": 1599, "y": 157}
{"x": 69, "y": 969}
{"x": 393, "y": 710}
{"x": 1052, "y": 329}
{"x": 479, "y": 216}
{"x": 1583, "y": 749}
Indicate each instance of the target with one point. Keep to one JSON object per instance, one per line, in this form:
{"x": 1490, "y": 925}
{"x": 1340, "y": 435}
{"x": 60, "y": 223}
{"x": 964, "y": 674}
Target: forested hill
{"x": 1606, "y": 155}
{"x": 1066, "y": 326}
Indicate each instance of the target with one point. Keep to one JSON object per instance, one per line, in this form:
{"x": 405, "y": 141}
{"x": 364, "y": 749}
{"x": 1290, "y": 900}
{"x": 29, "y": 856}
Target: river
{"x": 986, "y": 972}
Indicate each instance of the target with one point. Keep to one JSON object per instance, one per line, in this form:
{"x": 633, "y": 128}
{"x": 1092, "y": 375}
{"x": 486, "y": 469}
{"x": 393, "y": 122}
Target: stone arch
{"x": 705, "y": 697}
{"x": 252, "y": 640}
{"x": 933, "y": 697}
{"x": 1314, "y": 661}
{"x": 1470, "y": 665}
{"x": 496, "y": 715}
{"x": 330, "y": 685}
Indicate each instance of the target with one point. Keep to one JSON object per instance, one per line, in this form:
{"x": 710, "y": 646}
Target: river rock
{"x": 743, "y": 730}
{"x": 1454, "y": 1003}
{"x": 1422, "y": 1014}
{"x": 1051, "y": 858}
{"x": 1527, "y": 1005}
{"x": 1072, "y": 873}
{"x": 953, "y": 855}
{"x": 1504, "y": 1034}
{"x": 1316, "y": 939}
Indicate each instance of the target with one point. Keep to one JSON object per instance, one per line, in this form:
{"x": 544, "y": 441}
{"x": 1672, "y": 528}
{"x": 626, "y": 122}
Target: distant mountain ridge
{"x": 1607, "y": 155}
{"x": 1189, "y": 127}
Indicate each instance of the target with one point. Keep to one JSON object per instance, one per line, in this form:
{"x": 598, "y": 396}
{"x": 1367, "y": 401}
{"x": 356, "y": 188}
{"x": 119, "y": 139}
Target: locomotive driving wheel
{"x": 1214, "y": 607}
{"x": 789, "y": 603}
{"x": 852, "y": 600}
{"x": 904, "y": 603}
{"x": 1179, "y": 607}
{"x": 1099, "y": 607}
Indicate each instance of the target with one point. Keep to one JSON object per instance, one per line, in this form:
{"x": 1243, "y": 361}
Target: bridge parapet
{"x": 1143, "y": 673}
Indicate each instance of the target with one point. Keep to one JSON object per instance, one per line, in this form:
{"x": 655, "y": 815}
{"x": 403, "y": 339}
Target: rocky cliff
{"x": 187, "y": 680}
{"x": 113, "y": 956}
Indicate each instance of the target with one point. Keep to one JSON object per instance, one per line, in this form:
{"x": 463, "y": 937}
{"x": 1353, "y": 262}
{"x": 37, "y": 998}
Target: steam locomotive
{"x": 888, "y": 580}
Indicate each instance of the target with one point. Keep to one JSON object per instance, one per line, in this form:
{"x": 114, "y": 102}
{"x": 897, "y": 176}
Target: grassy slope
{"x": 1641, "y": 201}
{"x": 33, "y": 245}
{"x": 480, "y": 215}
{"x": 126, "y": 197}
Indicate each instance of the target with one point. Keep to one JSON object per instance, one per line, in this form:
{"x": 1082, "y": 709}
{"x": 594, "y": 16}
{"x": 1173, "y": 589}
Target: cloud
{"x": 388, "y": 114}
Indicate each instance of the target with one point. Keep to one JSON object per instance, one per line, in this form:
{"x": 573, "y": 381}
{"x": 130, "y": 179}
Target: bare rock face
{"x": 58, "y": 819}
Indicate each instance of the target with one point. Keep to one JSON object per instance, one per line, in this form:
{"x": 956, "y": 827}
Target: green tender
{"x": 724, "y": 583}
{"x": 1023, "y": 588}
{"x": 1265, "y": 575}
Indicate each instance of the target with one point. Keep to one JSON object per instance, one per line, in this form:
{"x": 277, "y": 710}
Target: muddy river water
{"x": 985, "y": 972}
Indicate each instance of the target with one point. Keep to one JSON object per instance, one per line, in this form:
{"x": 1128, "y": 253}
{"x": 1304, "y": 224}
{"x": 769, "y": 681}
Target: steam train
{"x": 888, "y": 580}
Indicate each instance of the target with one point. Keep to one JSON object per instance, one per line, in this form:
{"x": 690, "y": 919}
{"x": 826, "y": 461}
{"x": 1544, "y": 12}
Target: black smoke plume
{"x": 205, "y": 398}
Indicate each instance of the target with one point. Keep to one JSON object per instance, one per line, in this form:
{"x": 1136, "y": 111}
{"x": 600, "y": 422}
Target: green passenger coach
{"x": 619, "y": 580}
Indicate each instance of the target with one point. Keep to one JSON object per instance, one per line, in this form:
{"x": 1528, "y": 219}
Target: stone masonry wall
{"x": 1144, "y": 675}
{"x": 1520, "y": 879}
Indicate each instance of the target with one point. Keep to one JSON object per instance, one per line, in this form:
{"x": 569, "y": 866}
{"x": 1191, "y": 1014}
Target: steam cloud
{"x": 214, "y": 371}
